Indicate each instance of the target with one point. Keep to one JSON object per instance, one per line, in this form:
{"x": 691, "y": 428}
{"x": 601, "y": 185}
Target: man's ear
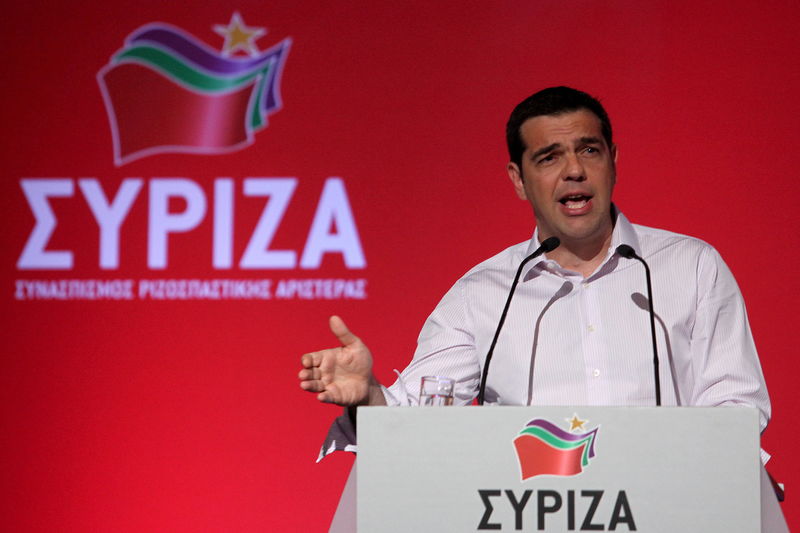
{"x": 515, "y": 175}
{"x": 614, "y": 154}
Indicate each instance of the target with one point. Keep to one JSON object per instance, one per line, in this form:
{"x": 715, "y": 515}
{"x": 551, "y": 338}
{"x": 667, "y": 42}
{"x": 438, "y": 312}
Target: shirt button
{"x": 591, "y": 328}
{"x": 596, "y": 372}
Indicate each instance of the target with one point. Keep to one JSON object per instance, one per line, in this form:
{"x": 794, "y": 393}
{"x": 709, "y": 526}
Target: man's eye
{"x": 546, "y": 159}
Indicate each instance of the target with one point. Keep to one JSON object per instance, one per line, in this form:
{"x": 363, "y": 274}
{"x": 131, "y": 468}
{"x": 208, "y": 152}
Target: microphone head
{"x": 550, "y": 244}
{"x": 626, "y": 251}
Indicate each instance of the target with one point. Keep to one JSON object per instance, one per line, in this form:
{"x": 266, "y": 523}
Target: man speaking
{"x": 579, "y": 330}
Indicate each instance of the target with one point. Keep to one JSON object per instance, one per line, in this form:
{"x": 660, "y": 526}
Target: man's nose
{"x": 574, "y": 170}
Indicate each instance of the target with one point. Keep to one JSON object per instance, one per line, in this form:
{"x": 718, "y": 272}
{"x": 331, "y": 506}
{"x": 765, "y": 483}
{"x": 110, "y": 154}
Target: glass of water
{"x": 436, "y": 391}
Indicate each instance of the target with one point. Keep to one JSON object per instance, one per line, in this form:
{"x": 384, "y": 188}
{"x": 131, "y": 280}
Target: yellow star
{"x": 238, "y": 36}
{"x": 575, "y": 423}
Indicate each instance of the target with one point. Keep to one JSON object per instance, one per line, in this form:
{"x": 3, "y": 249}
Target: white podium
{"x": 556, "y": 469}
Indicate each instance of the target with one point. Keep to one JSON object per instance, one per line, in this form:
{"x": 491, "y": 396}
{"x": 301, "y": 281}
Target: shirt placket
{"x": 592, "y": 344}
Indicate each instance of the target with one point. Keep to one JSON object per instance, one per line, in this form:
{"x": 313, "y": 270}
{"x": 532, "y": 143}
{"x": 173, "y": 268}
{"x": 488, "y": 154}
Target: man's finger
{"x": 308, "y": 374}
{"x": 312, "y": 385}
{"x": 331, "y": 394}
{"x": 312, "y": 359}
{"x": 339, "y": 329}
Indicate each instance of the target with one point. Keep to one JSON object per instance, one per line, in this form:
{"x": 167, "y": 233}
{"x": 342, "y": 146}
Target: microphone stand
{"x": 626, "y": 251}
{"x": 548, "y": 245}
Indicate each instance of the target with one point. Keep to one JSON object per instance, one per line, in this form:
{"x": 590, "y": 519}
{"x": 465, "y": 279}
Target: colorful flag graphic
{"x": 545, "y": 449}
{"x": 166, "y": 91}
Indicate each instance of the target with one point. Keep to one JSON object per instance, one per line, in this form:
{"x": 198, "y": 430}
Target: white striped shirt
{"x": 574, "y": 341}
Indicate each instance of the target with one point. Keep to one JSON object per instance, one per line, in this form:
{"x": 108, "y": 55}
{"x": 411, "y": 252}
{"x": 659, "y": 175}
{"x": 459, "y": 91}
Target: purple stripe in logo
{"x": 187, "y": 47}
{"x": 561, "y": 434}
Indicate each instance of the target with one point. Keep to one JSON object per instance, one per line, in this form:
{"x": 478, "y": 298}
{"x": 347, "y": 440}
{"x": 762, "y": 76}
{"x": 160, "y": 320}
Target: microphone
{"x": 626, "y": 251}
{"x": 548, "y": 245}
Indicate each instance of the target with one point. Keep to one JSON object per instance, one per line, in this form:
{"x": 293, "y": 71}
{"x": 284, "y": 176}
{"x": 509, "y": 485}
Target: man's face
{"x": 568, "y": 172}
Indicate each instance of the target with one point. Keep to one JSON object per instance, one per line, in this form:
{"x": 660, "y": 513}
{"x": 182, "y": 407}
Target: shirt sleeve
{"x": 445, "y": 347}
{"x": 724, "y": 359}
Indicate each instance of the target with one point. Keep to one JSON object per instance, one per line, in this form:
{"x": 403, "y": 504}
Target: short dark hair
{"x": 551, "y": 101}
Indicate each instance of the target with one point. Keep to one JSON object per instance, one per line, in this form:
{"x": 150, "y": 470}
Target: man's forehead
{"x": 569, "y": 127}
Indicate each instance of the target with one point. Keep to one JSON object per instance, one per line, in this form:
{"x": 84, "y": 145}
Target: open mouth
{"x": 575, "y": 201}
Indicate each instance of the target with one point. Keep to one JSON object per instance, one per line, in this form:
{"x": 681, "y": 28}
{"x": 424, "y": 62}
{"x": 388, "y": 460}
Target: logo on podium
{"x": 545, "y": 449}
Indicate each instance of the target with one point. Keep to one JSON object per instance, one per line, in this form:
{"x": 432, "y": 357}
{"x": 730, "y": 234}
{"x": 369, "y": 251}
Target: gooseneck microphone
{"x": 548, "y": 245}
{"x": 626, "y": 251}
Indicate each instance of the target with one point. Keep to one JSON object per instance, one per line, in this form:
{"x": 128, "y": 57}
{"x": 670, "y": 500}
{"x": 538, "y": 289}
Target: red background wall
{"x": 186, "y": 415}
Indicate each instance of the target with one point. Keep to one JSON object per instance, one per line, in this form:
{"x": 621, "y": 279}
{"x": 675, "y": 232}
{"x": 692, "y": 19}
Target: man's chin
{"x": 584, "y": 233}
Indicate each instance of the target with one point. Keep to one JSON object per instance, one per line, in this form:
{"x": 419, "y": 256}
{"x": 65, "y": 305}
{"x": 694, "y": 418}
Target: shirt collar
{"x": 623, "y": 233}
{"x": 532, "y": 246}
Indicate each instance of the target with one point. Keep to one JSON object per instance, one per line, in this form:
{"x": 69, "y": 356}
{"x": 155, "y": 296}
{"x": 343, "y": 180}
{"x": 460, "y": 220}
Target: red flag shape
{"x": 153, "y": 114}
{"x": 538, "y": 458}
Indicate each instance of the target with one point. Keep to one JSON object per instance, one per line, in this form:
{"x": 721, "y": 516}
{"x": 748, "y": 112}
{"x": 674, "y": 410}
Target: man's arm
{"x": 724, "y": 357}
{"x": 342, "y": 375}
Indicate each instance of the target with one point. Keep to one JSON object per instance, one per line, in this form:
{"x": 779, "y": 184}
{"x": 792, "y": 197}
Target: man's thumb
{"x": 339, "y": 328}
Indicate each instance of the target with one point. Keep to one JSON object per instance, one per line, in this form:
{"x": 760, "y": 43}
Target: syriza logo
{"x": 166, "y": 91}
{"x": 543, "y": 448}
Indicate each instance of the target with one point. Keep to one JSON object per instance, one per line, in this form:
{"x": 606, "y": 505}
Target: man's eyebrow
{"x": 542, "y": 151}
{"x": 554, "y": 146}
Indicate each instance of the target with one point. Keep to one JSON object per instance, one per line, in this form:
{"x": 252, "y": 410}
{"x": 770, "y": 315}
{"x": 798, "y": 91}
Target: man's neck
{"x": 581, "y": 257}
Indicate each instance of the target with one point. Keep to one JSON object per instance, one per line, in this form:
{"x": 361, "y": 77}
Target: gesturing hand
{"x": 340, "y": 375}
